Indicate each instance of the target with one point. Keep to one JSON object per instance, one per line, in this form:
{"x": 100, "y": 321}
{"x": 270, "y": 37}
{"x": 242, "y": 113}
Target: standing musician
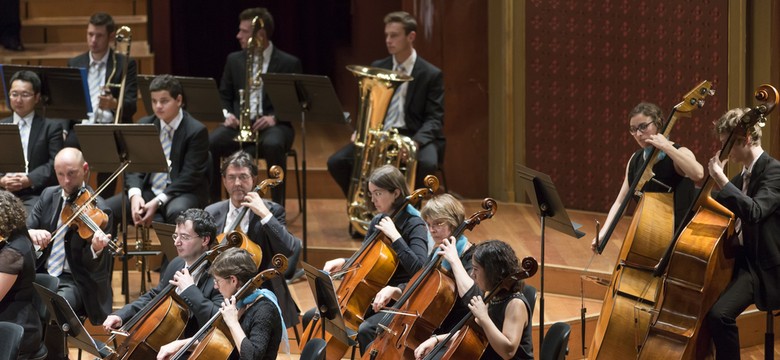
{"x": 443, "y": 213}
{"x": 676, "y": 170}
{"x": 255, "y": 323}
{"x": 419, "y": 105}
{"x": 163, "y": 196}
{"x": 754, "y": 197}
{"x": 275, "y": 136}
{"x": 82, "y": 265}
{"x": 265, "y": 224}
{"x": 195, "y": 233}
{"x": 505, "y": 319}
{"x": 41, "y": 140}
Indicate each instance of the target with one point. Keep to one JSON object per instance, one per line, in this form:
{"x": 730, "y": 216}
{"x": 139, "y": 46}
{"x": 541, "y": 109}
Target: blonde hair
{"x": 729, "y": 121}
{"x": 444, "y": 207}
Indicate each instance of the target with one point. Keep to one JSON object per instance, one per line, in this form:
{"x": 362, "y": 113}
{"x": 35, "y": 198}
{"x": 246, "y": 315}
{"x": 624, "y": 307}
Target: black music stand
{"x": 328, "y": 305}
{"x": 548, "y": 205}
{"x": 63, "y": 316}
{"x": 60, "y": 97}
{"x": 11, "y": 148}
{"x": 200, "y": 96}
{"x": 296, "y": 95}
{"x": 136, "y": 148}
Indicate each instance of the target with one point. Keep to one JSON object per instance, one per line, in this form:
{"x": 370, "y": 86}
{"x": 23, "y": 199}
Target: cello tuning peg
{"x": 700, "y": 103}
{"x": 711, "y": 92}
{"x": 761, "y": 122}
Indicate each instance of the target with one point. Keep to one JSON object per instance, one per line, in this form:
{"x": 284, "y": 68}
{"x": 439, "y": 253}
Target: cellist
{"x": 673, "y": 172}
{"x": 754, "y": 197}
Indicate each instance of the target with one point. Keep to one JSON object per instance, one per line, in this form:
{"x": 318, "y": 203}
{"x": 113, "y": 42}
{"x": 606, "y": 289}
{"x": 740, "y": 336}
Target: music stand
{"x": 61, "y": 314}
{"x": 59, "y": 98}
{"x": 296, "y": 95}
{"x": 200, "y": 96}
{"x": 136, "y": 148}
{"x": 328, "y": 305}
{"x": 11, "y": 148}
{"x": 548, "y": 205}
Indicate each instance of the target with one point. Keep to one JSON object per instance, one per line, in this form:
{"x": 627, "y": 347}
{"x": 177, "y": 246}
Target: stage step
{"x": 47, "y": 8}
{"x": 69, "y": 29}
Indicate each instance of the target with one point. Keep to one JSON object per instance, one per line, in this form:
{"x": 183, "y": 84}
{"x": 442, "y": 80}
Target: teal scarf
{"x": 270, "y": 296}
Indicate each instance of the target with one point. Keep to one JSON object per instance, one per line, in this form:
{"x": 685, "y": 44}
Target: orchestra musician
{"x": 275, "y": 134}
{"x": 753, "y": 196}
{"x": 265, "y": 223}
{"x": 417, "y": 108}
{"x": 506, "y": 317}
{"x": 677, "y": 170}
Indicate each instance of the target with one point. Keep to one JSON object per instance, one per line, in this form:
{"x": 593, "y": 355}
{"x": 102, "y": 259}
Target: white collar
{"x": 174, "y": 124}
{"x": 408, "y": 64}
{"x": 28, "y": 119}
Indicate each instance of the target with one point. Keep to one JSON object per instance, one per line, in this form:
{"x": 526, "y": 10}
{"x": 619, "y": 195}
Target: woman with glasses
{"x": 676, "y": 171}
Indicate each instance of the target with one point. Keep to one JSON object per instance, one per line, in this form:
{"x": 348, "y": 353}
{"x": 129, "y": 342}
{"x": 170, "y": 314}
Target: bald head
{"x": 71, "y": 169}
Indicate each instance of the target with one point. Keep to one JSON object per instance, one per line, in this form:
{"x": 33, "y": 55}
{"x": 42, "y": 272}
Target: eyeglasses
{"x": 184, "y": 237}
{"x": 219, "y": 281}
{"x": 438, "y": 224}
{"x": 640, "y": 127}
{"x": 23, "y": 95}
{"x": 242, "y": 178}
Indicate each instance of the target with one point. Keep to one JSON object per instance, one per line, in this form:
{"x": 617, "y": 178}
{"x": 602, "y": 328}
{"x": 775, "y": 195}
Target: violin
{"x": 79, "y": 211}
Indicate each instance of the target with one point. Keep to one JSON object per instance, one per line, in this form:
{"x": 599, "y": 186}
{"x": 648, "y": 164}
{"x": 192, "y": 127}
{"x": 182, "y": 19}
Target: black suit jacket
{"x": 273, "y": 238}
{"x": 130, "y": 101}
{"x": 189, "y": 159}
{"x": 234, "y": 77}
{"x": 424, "y": 103}
{"x": 44, "y": 144}
{"x": 760, "y": 227}
{"x": 92, "y": 275}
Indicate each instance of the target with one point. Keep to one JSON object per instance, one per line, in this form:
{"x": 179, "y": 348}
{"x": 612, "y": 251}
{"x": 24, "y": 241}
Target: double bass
{"x": 424, "y": 304}
{"x": 633, "y": 289}
{"x": 697, "y": 266}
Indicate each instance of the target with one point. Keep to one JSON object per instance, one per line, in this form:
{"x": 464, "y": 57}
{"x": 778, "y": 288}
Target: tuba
{"x": 254, "y": 49}
{"x": 374, "y": 146}
{"x": 123, "y": 37}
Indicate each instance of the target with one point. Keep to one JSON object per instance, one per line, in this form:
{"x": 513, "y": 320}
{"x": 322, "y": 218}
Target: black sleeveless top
{"x": 16, "y": 258}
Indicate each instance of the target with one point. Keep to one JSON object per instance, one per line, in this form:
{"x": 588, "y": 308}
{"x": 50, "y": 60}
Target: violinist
{"x": 255, "y": 323}
{"x": 17, "y": 273}
{"x": 443, "y": 213}
{"x": 81, "y": 264}
{"x": 505, "y": 319}
{"x": 265, "y": 223}
{"x": 195, "y": 233}
{"x": 675, "y": 172}
{"x": 754, "y": 197}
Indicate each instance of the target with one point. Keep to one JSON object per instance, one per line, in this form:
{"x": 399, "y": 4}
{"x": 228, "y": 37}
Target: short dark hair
{"x": 403, "y": 17}
{"x": 389, "y": 178}
{"x": 168, "y": 83}
{"x": 30, "y": 77}
{"x": 234, "y": 262}
{"x": 264, "y": 14}
{"x": 202, "y": 222}
{"x": 499, "y": 261}
{"x": 650, "y": 110}
{"x": 240, "y": 159}
{"x": 103, "y": 19}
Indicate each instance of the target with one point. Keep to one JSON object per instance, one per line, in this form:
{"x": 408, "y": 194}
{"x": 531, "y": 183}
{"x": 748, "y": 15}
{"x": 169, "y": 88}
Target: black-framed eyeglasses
{"x": 641, "y": 127}
{"x": 184, "y": 237}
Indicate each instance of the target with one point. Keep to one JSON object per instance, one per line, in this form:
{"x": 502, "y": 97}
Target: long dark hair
{"x": 499, "y": 261}
{"x": 389, "y": 178}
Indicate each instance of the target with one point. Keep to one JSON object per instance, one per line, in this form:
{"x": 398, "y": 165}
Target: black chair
{"x": 51, "y": 283}
{"x": 556, "y": 342}
{"x": 10, "y": 340}
{"x": 314, "y": 350}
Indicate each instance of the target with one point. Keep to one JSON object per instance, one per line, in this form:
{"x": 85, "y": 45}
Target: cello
{"x": 651, "y": 230}
{"x": 424, "y": 304}
{"x": 697, "y": 267}
{"x": 365, "y": 273}
{"x": 467, "y": 340}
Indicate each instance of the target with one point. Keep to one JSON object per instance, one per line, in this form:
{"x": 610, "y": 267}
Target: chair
{"x": 441, "y": 146}
{"x": 556, "y": 342}
{"x": 51, "y": 283}
{"x": 314, "y": 350}
{"x": 294, "y": 154}
{"x": 10, "y": 340}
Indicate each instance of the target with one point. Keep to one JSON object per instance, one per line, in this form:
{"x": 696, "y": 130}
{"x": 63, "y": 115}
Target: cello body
{"x": 163, "y": 324}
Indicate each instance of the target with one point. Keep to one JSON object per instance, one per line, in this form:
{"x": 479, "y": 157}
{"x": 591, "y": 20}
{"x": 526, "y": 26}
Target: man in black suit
{"x": 754, "y": 198}
{"x": 41, "y": 140}
{"x": 417, "y": 108}
{"x": 275, "y": 136}
{"x": 195, "y": 233}
{"x": 166, "y": 195}
{"x": 82, "y": 265}
{"x": 265, "y": 223}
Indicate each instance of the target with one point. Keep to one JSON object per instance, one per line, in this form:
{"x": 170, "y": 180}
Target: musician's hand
{"x": 384, "y": 296}
{"x": 660, "y": 142}
{"x": 15, "y": 182}
{"x": 100, "y": 241}
{"x": 353, "y": 137}
{"x": 404, "y": 153}
{"x": 231, "y": 121}
{"x": 449, "y": 250}
{"x": 182, "y": 279}
{"x": 479, "y": 309}
{"x": 112, "y": 322}
{"x": 149, "y": 209}
{"x": 170, "y": 349}
{"x": 425, "y": 348}
{"x": 387, "y": 226}
{"x": 137, "y": 208}
{"x": 715, "y": 167}
{"x": 107, "y": 101}
{"x": 254, "y": 202}
{"x": 333, "y": 265}
{"x": 264, "y": 122}
{"x": 594, "y": 244}
{"x": 230, "y": 312}
{"x": 40, "y": 237}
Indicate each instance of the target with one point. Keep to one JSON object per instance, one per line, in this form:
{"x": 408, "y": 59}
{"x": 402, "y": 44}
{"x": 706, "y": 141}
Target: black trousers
{"x": 722, "y": 317}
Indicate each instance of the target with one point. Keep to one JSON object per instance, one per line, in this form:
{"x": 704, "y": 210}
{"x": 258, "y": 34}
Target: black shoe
{"x": 298, "y": 275}
{"x": 13, "y": 44}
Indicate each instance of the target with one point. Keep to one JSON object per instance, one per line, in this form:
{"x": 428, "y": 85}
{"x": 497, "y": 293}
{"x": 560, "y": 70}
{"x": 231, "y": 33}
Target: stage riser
{"x": 74, "y": 29}
{"x": 44, "y": 8}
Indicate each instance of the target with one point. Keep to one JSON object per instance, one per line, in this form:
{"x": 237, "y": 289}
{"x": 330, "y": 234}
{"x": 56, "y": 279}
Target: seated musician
{"x": 17, "y": 273}
{"x": 505, "y": 319}
{"x": 443, "y": 213}
{"x": 753, "y": 196}
{"x": 255, "y": 323}
{"x": 195, "y": 233}
{"x": 185, "y": 143}
{"x": 265, "y": 223}
{"x": 82, "y": 264}
{"x": 41, "y": 140}
{"x": 675, "y": 172}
